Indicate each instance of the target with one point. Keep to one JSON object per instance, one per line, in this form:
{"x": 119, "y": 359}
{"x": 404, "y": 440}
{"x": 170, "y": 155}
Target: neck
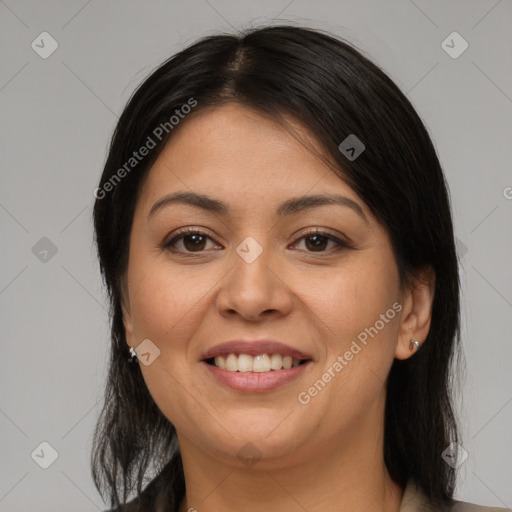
{"x": 347, "y": 473}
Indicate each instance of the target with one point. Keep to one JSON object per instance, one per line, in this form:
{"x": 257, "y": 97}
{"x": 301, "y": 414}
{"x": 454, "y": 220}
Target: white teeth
{"x": 219, "y": 362}
{"x": 262, "y": 363}
{"x": 244, "y": 363}
{"x": 276, "y": 362}
{"x": 232, "y": 363}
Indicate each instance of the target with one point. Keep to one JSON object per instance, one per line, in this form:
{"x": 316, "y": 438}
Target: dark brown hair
{"x": 334, "y": 91}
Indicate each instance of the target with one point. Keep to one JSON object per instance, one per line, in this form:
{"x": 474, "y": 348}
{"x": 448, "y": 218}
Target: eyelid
{"x": 340, "y": 243}
{"x": 298, "y": 237}
{"x": 343, "y": 239}
{"x": 180, "y": 233}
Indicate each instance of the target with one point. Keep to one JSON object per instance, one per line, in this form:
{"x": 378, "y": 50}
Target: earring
{"x": 133, "y": 356}
{"x": 414, "y": 345}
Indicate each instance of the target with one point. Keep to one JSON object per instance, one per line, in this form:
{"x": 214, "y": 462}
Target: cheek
{"x": 359, "y": 313}
{"x": 165, "y": 301}
{"x": 167, "y": 308}
{"x": 353, "y": 298}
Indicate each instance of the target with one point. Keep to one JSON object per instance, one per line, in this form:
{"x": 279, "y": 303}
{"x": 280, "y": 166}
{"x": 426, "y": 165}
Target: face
{"x": 319, "y": 277}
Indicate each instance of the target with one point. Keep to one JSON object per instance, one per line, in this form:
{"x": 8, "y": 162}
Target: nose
{"x": 254, "y": 289}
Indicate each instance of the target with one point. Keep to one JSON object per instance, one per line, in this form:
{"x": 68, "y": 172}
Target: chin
{"x": 262, "y": 443}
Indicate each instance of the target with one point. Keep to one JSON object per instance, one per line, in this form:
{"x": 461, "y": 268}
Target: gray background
{"x": 58, "y": 115}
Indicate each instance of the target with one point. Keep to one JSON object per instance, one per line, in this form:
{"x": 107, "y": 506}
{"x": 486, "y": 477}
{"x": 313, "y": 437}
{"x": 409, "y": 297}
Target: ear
{"x": 417, "y": 312}
{"x": 127, "y": 317}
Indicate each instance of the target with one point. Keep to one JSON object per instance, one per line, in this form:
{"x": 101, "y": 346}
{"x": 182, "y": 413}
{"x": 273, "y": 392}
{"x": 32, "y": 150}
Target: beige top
{"x": 414, "y": 500}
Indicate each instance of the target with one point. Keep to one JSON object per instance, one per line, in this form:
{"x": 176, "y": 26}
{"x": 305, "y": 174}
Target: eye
{"x": 195, "y": 241}
{"x": 317, "y": 240}
{"x": 191, "y": 240}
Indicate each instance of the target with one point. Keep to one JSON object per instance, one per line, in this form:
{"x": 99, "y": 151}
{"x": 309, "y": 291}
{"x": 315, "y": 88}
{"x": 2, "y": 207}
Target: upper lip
{"x": 254, "y": 348}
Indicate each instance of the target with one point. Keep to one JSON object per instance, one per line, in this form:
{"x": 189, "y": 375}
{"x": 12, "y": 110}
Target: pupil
{"x": 198, "y": 242}
{"x": 320, "y": 241}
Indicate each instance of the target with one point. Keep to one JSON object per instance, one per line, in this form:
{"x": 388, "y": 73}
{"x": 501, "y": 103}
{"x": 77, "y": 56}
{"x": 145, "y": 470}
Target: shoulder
{"x": 414, "y": 500}
{"x": 149, "y": 500}
{"x": 138, "y": 504}
{"x": 165, "y": 488}
{"x": 463, "y": 506}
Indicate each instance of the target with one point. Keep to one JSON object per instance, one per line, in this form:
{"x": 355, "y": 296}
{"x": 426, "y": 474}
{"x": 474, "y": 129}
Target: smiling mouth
{"x": 262, "y": 363}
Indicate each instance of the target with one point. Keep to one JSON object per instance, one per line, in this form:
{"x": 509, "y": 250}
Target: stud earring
{"x": 133, "y": 356}
{"x": 414, "y": 345}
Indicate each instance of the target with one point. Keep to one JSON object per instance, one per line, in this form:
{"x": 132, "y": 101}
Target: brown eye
{"x": 192, "y": 241}
{"x": 318, "y": 241}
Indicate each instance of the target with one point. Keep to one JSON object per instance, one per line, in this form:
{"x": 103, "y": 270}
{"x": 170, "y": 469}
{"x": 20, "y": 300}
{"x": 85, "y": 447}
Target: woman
{"x": 274, "y": 230}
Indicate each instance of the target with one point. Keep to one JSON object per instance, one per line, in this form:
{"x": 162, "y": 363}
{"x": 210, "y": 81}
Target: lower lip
{"x": 254, "y": 382}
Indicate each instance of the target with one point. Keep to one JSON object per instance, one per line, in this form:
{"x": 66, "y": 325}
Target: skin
{"x": 321, "y": 456}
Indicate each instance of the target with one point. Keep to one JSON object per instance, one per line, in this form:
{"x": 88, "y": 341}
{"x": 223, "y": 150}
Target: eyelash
{"x": 168, "y": 246}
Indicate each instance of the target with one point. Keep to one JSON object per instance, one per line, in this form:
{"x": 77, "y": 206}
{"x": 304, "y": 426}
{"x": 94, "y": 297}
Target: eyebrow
{"x": 289, "y": 207}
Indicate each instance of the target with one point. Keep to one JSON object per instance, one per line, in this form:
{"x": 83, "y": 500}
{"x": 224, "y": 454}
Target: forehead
{"x": 239, "y": 156}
